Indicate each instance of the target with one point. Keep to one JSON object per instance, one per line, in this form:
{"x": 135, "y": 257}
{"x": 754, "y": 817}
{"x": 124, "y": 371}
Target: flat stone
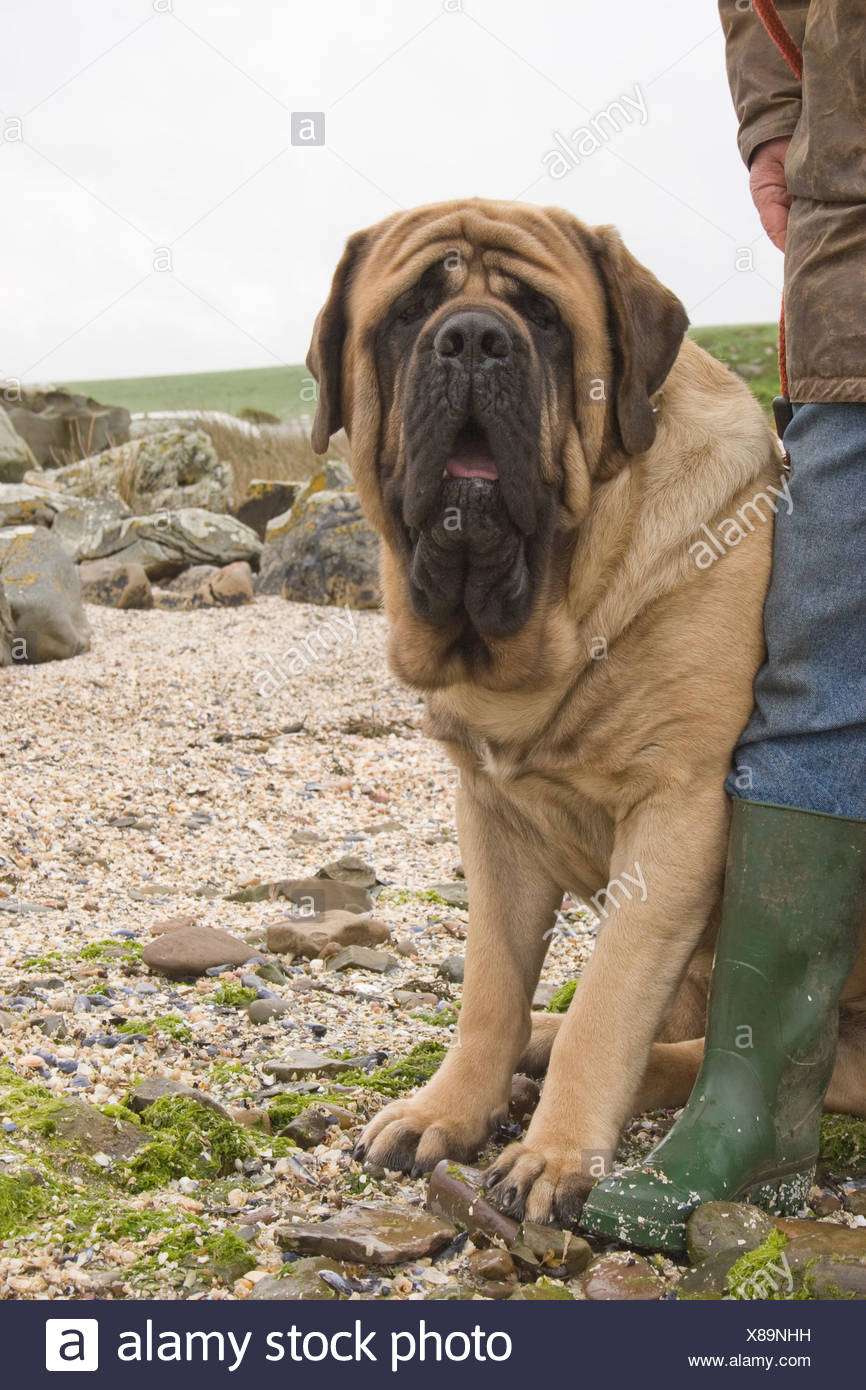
{"x": 411, "y": 999}
{"x": 362, "y": 958}
{"x": 717, "y": 1226}
{"x": 193, "y": 950}
{"x": 77, "y": 1122}
{"x": 297, "y": 936}
{"x": 154, "y": 1088}
{"x": 370, "y": 1235}
{"x": 455, "y": 1193}
{"x": 299, "y": 1281}
{"x": 546, "y": 1249}
{"x": 349, "y": 869}
{"x": 622, "y": 1275}
{"x": 854, "y": 1197}
{"x": 302, "y": 1062}
{"x": 310, "y": 1127}
{"x": 452, "y": 968}
{"x": 454, "y": 894}
{"x": 825, "y": 1273}
{"x": 262, "y": 1010}
{"x": 312, "y": 896}
{"x": 827, "y": 1238}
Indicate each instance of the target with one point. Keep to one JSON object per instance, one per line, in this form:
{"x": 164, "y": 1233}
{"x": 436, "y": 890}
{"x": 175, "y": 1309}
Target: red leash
{"x": 769, "y": 17}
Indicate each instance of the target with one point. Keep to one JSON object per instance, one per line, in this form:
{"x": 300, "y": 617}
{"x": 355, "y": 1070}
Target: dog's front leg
{"x": 512, "y": 906}
{"x": 665, "y": 872}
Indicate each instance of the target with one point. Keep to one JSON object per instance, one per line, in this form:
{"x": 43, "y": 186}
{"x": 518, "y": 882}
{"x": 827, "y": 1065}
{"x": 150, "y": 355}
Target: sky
{"x": 158, "y": 218}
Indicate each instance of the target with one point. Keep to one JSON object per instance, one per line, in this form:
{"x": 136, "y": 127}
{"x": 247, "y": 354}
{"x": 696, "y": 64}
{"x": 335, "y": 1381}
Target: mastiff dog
{"x": 575, "y": 504}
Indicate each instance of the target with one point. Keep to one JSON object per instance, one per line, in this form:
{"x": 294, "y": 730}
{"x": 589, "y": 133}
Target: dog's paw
{"x": 413, "y": 1135}
{"x": 542, "y": 1185}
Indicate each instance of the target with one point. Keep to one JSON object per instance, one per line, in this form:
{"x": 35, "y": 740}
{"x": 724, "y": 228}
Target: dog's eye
{"x": 420, "y": 301}
{"x": 537, "y": 307}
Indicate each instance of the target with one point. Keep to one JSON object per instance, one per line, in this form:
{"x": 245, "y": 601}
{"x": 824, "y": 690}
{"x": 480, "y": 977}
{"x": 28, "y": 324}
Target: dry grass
{"x": 280, "y": 452}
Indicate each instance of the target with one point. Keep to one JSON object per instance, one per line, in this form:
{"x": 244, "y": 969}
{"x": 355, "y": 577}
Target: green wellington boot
{"x": 792, "y": 918}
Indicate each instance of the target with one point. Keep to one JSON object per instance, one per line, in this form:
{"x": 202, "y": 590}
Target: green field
{"x": 750, "y": 349}
{"x": 275, "y": 389}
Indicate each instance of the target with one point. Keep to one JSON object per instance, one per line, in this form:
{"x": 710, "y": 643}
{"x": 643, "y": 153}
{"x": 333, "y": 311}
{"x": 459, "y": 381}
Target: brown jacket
{"x": 825, "y": 260}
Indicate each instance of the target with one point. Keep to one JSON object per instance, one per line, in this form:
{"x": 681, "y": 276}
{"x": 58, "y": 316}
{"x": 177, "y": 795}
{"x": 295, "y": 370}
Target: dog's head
{"x": 489, "y": 362}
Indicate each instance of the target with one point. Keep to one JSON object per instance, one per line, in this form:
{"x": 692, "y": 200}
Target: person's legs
{"x": 795, "y": 887}
{"x": 805, "y": 744}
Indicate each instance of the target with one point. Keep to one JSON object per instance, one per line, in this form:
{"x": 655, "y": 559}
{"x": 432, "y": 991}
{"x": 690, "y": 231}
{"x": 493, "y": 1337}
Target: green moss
{"x": 120, "y": 1112}
{"x": 761, "y": 1273}
{"x": 562, "y": 998}
{"x": 21, "y": 1202}
{"x": 234, "y": 996}
{"x": 30, "y": 1105}
{"x": 230, "y": 1256}
{"x": 403, "y": 1075}
{"x": 110, "y": 948}
{"x": 172, "y": 1024}
{"x": 43, "y": 962}
{"x": 190, "y": 1141}
{"x": 843, "y": 1143}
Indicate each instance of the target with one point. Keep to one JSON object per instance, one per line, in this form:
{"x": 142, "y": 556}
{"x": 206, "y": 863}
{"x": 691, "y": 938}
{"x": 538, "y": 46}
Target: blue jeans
{"x": 805, "y": 744}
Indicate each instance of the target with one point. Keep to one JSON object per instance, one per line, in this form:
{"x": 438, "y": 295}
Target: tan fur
{"x": 573, "y": 768}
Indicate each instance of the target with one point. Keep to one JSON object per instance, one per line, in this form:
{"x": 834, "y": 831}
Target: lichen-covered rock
{"x": 167, "y": 542}
{"x": 23, "y": 504}
{"x": 266, "y": 499}
{"x": 16, "y": 456}
{"x": 161, "y": 472}
{"x": 87, "y": 525}
{"x": 44, "y": 596}
{"x": 59, "y": 425}
{"x": 325, "y": 552}
{"x": 7, "y": 629}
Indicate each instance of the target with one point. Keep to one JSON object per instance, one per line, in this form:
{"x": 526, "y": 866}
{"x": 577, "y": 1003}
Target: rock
{"x": 193, "y": 950}
{"x": 405, "y": 946}
{"x": 44, "y": 596}
{"x": 59, "y": 424}
{"x": 16, "y": 456}
{"x": 263, "y": 1010}
{"x": 455, "y": 1193}
{"x": 266, "y": 498}
{"x": 349, "y": 869}
{"x": 7, "y": 630}
{"x": 166, "y": 542}
{"x": 309, "y": 1129}
{"x": 495, "y": 1272}
{"x": 545, "y": 1248}
{"x": 708, "y": 1280}
{"x": 300, "y": 1280}
{"x": 153, "y": 1088}
{"x": 115, "y": 585}
{"x": 827, "y": 1238}
{"x": 454, "y": 894}
{"x": 313, "y": 897}
{"x": 206, "y": 586}
{"x": 824, "y": 1201}
{"x": 622, "y": 1275}
{"x": 299, "y": 937}
{"x": 88, "y": 525}
{"x": 412, "y": 999}
{"x": 717, "y": 1226}
{"x": 543, "y": 995}
{"x": 854, "y": 1197}
{"x": 76, "y": 1122}
{"x": 302, "y": 1062}
{"x": 325, "y": 552}
{"x": 362, "y": 958}
{"x": 524, "y": 1097}
{"x": 171, "y": 924}
{"x": 160, "y": 472}
{"x": 452, "y": 968}
{"x": 22, "y": 504}
{"x": 825, "y": 1273}
{"x": 370, "y": 1235}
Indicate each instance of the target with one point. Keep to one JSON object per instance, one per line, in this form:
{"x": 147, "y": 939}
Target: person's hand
{"x": 769, "y": 188}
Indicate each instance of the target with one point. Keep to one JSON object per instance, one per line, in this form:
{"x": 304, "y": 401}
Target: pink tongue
{"x": 479, "y": 466}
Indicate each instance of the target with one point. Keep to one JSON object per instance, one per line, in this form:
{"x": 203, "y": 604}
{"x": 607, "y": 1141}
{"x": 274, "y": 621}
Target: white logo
{"x": 71, "y": 1344}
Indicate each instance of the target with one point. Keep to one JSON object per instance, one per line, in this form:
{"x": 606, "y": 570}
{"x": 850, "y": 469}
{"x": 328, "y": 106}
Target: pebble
{"x": 452, "y": 968}
{"x": 624, "y": 1276}
{"x": 362, "y": 958}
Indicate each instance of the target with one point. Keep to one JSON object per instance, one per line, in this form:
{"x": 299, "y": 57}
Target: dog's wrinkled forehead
{"x": 479, "y": 254}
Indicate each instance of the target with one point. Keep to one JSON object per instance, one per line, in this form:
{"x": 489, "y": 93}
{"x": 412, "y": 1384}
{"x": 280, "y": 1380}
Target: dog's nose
{"x": 472, "y": 338}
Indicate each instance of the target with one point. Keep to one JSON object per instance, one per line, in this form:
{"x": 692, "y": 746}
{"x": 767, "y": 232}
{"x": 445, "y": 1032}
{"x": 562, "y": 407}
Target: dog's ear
{"x": 325, "y": 357}
{"x": 647, "y": 324}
